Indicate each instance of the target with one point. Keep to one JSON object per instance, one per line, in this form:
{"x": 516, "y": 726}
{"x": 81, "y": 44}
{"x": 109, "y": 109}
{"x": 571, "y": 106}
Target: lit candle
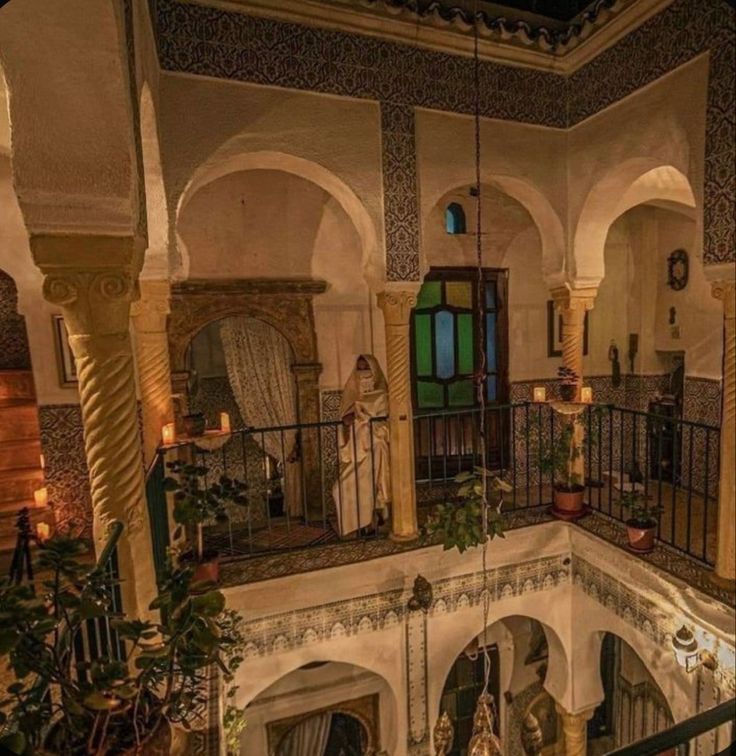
{"x": 586, "y": 394}
{"x": 41, "y": 496}
{"x": 168, "y": 434}
{"x": 540, "y": 394}
{"x": 224, "y": 422}
{"x": 43, "y": 531}
{"x": 42, "y": 462}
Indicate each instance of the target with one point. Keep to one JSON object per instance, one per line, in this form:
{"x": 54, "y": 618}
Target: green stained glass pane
{"x": 465, "y": 344}
{"x": 430, "y": 294}
{"x": 461, "y": 393}
{"x": 429, "y": 395}
{"x": 423, "y": 343}
{"x": 459, "y": 294}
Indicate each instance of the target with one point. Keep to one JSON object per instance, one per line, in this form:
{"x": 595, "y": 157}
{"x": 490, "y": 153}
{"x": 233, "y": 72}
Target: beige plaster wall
{"x": 660, "y": 124}
{"x": 339, "y": 136}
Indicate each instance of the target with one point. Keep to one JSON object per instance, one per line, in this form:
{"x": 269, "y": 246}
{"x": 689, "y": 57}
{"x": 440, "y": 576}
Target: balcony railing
{"x": 297, "y": 485}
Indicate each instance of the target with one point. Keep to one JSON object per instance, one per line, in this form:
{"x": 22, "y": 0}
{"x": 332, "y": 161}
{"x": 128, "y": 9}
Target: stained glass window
{"x": 445, "y": 332}
{"x": 455, "y": 219}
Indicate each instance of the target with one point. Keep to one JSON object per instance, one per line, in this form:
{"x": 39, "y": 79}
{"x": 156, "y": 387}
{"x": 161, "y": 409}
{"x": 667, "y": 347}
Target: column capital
{"x": 153, "y": 306}
{"x": 398, "y": 302}
{"x": 726, "y": 292}
{"x": 574, "y": 299}
{"x": 307, "y": 371}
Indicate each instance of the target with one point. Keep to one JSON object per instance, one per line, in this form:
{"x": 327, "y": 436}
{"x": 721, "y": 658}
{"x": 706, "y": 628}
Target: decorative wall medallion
{"x": 678, "y": 269}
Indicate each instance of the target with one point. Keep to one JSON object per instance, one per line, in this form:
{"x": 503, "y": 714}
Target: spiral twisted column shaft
{"x": 149, "y": 316}
{"x": 726, "y": 546}
{"x": 574, "y": 728}
{"x": 397, "y": 305}
{"x": 96, "y": 308}
{"x": 572, "y": 305}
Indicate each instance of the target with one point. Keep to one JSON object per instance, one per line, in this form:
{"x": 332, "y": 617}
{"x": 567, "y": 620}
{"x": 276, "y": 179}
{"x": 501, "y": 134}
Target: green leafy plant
{"x": 643, "y": 510}
{"x": 460, "y": 523}
{"x": 196, "y": 503}
{"x": 116, "y": 702}
{"x": 559, "y": 459}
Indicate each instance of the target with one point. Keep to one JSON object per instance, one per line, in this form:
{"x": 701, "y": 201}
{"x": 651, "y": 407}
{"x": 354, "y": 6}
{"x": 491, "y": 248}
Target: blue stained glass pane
{"x": 491, "y": 295}
{"x": 491, "y": 388}
{"x": 491, "y": 341}
{"x": 444, "y": 326}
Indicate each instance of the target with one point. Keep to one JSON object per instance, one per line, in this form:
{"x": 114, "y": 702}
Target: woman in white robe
{"x": 364, "y": 484}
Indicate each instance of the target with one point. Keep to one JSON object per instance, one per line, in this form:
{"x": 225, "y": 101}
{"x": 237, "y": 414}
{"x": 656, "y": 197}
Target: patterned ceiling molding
{"x": 233, "y": 45}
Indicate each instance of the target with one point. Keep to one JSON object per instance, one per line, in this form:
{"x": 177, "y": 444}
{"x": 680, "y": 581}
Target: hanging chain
{"x": 480, "y": 379}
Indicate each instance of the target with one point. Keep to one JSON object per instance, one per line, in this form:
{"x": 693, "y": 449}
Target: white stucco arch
{"x": 534, "y": 201}
{"x": 635, "y": 181}
{"x": 447, "y": 637}
{"x": 222, "y": 164}
{"x": 257, "y": 674}
{"x": 156, "y": 262}
{"x": 677, "y": 686}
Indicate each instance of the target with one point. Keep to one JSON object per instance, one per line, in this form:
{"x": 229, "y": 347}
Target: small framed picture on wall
{"x": 554, "y": 331}
{"x": 64, "y": 356}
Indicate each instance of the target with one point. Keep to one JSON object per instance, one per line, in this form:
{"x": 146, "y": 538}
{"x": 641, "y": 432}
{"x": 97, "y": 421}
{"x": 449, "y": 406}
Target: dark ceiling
{"x": 559, "y": 10}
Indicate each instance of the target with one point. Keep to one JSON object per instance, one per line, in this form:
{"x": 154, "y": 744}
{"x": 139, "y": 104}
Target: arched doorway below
{"x": 634, "y": 707}
{"x": 329, "y": 733}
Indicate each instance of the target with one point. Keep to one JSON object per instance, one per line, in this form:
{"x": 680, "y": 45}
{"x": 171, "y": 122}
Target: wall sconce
{"x": 688, "y": 654}
{"x": 43, "y": 531}
{"x": 586, "y": 394}
{"x": 168, "y": 434}
{"x": 224, "y": 422}
{"x": 41, "y": 497}
{"x": 540, "y": 394}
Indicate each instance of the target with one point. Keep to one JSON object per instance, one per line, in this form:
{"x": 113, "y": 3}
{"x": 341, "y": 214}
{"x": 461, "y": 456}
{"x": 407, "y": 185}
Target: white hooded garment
{"x": 364, "y": 483}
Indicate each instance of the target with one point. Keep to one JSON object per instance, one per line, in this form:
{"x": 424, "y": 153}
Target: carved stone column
{"x": 572, "y": 304}
{"x": 95, "y": 302}
{"x": 307, "y": 391}
{"x": 149, "y": 316}
{"x": 397, "y": 305}
{"x": 575, "y": 730}
{"x": 726, "y": 546}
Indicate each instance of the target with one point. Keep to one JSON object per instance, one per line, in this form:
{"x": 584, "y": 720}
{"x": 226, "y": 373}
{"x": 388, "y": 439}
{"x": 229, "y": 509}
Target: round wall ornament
{"x": 678, "y": 269}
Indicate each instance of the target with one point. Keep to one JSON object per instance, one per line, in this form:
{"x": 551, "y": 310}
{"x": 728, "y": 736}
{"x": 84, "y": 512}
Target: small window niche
{"x": 455, "y": 219}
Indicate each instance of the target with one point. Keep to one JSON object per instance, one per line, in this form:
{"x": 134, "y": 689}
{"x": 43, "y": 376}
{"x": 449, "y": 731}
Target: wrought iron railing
{"x": 298, "y": 487}
{"x": 298, "y": 491}
{"x": 673, "y": 463}
{"x": 719, "y": 723}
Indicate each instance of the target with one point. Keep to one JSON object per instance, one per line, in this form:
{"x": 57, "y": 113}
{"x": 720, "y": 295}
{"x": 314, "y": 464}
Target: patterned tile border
{"x": 67, "y": 476}
{"x": 226, "y": 44}
{"x": 702, "y": 400}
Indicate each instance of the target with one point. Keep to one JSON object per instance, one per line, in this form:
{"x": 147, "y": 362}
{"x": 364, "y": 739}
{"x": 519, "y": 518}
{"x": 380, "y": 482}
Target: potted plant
{"x": 196, "y": 503}
{"x": 144, "y": 685}
{"x": 560, "y": 461}
{"x": 569, "y": 380}
{"x": 460, "y": 523}
{"x": 642, "y": 523}
{"x": 195, "y": 424}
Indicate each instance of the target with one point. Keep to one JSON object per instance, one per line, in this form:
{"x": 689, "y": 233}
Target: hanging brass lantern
{"x": 484, "y": 742}
{"x": 444, "y": 734}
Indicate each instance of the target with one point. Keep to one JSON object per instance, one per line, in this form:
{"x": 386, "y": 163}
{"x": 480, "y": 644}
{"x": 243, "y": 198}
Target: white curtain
{"x": 259, "y": 361}
{"x": 308, "y": 738}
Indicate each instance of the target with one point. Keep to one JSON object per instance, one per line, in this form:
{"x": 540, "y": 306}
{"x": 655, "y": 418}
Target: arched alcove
{"x": 634, "y": 706}
{"x": 321, "y": 695}
{"x": 633, "y": 182}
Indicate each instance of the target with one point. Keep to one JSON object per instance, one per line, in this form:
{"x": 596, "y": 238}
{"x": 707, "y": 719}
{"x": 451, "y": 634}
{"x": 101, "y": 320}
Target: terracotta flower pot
{"x": 641, "y": 538}
{"x": 207, "y": 571}
{"x": 568, "y": 391}
{"x": 569, "y": 502}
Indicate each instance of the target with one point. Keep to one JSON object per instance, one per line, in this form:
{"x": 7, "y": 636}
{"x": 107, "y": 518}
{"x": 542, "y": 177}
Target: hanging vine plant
{"x": 459, "y": 524}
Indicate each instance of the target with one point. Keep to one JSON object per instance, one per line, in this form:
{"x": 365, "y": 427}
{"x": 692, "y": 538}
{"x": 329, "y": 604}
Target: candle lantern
{"x": 43, "y": 531}
{"x": 540, "y": 394}
{"x": 41, "y": 497}
{"x": 224, "y": 422}
{"x": 586, "y": 394}
{"x": 168, "y": 434}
